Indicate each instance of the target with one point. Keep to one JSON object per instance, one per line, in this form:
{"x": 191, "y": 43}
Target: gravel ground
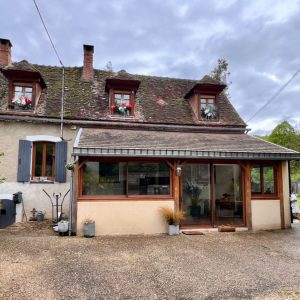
{"x": 35, "y": 263}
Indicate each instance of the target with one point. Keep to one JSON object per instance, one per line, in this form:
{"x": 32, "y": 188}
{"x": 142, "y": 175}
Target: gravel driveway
{"x": 37, "y": 264}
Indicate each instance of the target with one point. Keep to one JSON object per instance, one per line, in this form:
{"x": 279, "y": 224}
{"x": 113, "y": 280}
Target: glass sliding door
{"x": 228, "y": 194}
{"x": 196, "y": 194}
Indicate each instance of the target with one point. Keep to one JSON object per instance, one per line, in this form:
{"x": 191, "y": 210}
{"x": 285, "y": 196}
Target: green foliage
{"x": 220, "y": 72}
{"x": 286, "y": 135}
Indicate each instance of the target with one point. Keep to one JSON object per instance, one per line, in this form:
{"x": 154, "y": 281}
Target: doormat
{"x": 190, "y": 232}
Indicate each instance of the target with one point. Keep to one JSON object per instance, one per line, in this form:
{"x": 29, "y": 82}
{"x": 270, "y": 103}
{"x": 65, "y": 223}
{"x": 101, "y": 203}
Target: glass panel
{"x": 28, "y": 90}
{"x": 104, "y": 178}
{"x": 255, "y": 180}
{"x": 18, "y": 89}
{"x": 228, "y": 195}
{"x": 38, "y": 159}
{"x": 126, "y": 97}
{"x": 196, "y": 202}
{"x": 268, "y": 173}
{"x": 49, "y": 159}
{"x": 211, "y": 102}
{"x": 148, "y": 178}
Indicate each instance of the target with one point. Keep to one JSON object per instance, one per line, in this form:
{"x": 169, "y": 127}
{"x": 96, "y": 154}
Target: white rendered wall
{"x": 123, "y": 217}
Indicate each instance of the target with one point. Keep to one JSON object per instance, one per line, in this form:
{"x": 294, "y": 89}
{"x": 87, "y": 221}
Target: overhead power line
{"x": 48, "y": 34}
{"x": 62, "y": 76}
{"x": 275, "y": 95}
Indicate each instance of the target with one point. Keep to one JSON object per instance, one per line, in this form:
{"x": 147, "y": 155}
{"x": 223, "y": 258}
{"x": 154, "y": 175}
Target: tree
{"x": 221, "y": 73}
{"x": 286, "y": 135}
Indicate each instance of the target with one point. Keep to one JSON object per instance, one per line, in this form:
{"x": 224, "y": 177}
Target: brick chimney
{"x": 88, "y": 70}
{"x": 5, "y": 52}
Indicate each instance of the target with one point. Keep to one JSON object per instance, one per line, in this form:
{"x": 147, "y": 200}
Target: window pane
{"x": 104, "y": 178}
{"x": 255, "y": 180}
{"x": 49, "y": 159}
{"x": 211, "y": 102}
{"x": 28, "y": 90}
{"x": 148, "y": 179}
{"x": 228, "y": 194}
{"x": 38, "y": 159}
{"x": 269, "y": 180}
{"x": 196, "y": 202}
{"x": 126, "y": 97}
{"x": 18, "y": 89}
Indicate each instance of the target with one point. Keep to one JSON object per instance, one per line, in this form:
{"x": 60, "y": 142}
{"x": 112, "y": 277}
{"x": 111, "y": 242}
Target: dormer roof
{"x": 206, "y": 84}
{"x": 23, "y": 70}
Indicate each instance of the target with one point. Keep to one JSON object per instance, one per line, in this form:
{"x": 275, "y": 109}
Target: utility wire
{"x": 48, "y": 33}
{"x": 276, "y": 94}
{"x": 63, "y": 73}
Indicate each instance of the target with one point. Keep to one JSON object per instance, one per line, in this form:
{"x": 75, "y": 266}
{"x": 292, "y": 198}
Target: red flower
{"x": 129, "y": 106}
{"x": 27, "y": 101}
{"x": 113, "y": 108}
{"x": 124, "y": 104}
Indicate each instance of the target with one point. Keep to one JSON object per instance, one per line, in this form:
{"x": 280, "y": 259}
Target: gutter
{"x": 125, "y": 125}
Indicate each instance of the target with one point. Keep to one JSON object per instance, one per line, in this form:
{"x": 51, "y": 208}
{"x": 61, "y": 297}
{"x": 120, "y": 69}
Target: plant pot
{"x": 89, "y": 229}
{"x": 173, "y": 230}
{"x": 63, "y": 226}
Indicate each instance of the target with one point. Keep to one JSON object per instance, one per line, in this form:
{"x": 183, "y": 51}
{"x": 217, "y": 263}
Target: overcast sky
{"x": 174, "y": 38}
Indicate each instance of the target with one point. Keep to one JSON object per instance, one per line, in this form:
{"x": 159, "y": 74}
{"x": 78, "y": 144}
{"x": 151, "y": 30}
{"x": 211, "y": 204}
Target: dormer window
{"x": 203, "y": 98}
{"x": 22, "y": 96}
{"x": 207, "y": 107}
{"x": 25, "y": 85}
{"x": 122, "y": 104}
{"x": 121, "y": 95}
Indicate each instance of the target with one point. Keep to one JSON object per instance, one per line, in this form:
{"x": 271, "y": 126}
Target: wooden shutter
{"x": 24, "y": 160}
{"x": 60, "y": 161}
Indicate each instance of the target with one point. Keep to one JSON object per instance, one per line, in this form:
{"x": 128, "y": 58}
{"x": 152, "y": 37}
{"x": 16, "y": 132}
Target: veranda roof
{"x": 149, "y": 143}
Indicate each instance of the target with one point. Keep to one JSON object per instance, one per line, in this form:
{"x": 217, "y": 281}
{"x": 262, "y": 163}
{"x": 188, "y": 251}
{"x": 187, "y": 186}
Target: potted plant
{"x": 173, "y": 219}
{"x": 194, "y": 190}
{"x": 88, "y": 228}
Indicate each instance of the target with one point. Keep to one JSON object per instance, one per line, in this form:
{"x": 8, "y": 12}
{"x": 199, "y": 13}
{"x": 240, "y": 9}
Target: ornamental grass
{"x": 171, "y": 216}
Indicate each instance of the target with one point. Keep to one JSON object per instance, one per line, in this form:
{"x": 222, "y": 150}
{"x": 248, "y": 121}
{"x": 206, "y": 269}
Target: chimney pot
{"x": 88, "y": 69}
{"x": 5, "y": 52}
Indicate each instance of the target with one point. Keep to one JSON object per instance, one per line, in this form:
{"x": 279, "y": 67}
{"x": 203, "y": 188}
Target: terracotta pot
{"x": 226, "y": 229}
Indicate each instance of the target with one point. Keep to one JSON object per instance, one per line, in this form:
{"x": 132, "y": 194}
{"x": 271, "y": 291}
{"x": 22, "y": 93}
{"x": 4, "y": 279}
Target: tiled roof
{"x": 117, "y": 140}
{"x": 159, "y": 99}
{"x": 23, "y": 65}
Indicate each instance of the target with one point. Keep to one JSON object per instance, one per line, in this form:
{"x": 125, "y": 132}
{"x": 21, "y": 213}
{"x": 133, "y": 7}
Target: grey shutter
{"x": 60, "y": 161}
{"x": 24, "y": 160}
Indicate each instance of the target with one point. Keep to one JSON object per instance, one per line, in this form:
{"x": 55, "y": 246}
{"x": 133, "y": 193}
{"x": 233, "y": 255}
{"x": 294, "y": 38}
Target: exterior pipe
{"x": 62, "y": 103}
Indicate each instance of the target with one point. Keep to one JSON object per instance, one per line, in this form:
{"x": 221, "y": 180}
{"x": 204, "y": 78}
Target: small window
{"x": 22, "y": 96}
{"x": 43, "y": 161}
{"x": 122, "y": 104}
{"x": 263, "y": 180}
{"x": 207, "y": 107}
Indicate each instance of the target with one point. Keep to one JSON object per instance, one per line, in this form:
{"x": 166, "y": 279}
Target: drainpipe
{"x": 62, "y": 103}
{"x": 71, "y": 199}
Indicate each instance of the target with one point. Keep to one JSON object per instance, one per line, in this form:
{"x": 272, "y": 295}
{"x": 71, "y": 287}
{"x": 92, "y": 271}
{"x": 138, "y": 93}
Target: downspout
{"x": 62, "y": 102}
{"x": 71, "y": 199}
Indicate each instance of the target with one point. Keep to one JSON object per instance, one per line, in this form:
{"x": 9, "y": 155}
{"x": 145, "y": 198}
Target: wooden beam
{"x": 247, "y": 194}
